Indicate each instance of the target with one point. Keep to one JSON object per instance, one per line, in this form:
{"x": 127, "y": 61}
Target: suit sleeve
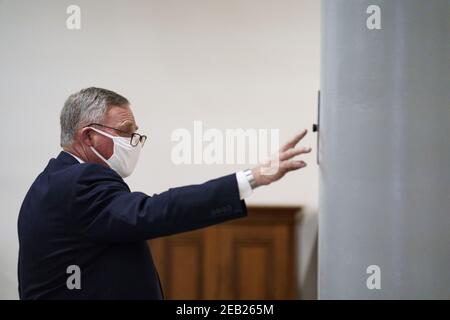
{"x": 104, "y": 209}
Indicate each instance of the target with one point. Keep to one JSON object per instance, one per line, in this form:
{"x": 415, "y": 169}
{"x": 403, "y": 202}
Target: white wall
{"x": 231, "y": 64}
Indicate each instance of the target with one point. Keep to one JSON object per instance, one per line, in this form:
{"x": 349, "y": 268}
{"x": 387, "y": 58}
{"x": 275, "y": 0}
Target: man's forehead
{"x": 122, "y": 118}
{"x": 128, "y": 125}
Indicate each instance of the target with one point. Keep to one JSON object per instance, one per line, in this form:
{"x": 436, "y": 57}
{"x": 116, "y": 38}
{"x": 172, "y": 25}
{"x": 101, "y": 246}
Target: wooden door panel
{"x": 249, "y": 258}
{"x": 180, "y": 260}
{"x": 254, "y": 262}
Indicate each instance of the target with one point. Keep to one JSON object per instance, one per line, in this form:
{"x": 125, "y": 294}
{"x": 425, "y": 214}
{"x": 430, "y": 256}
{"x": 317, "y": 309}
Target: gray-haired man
{"x": 79, "y": 215}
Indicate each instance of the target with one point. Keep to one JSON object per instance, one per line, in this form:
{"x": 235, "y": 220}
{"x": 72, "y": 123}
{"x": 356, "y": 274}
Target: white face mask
{"x": 124, "y": 157}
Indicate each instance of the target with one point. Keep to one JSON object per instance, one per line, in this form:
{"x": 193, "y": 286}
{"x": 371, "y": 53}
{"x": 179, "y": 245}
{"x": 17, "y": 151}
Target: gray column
{"x": 384, "y": 150}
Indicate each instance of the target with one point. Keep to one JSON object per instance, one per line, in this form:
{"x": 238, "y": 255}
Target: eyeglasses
{"x": 134, "y": 139}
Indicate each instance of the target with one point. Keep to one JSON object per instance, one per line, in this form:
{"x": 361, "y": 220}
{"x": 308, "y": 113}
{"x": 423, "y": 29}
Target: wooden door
{"x": 249, "y": 258}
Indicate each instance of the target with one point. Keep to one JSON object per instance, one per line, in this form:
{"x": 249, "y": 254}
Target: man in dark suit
{"x": 82, "y": 232}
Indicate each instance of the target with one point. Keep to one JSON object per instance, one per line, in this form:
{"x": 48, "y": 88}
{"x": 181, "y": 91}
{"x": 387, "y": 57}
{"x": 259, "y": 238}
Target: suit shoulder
{"x": 91, "y": 173}
{"x": 89, "y": 168}
{"x": 86, "y": 174}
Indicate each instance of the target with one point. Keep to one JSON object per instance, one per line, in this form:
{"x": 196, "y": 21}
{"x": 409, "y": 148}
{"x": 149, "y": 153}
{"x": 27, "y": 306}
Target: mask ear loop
{"x": 123, "y": 142}
{"x": 95, "y": 151}
{"x": 99, "y": 155}
{"x": 102, "y": 132}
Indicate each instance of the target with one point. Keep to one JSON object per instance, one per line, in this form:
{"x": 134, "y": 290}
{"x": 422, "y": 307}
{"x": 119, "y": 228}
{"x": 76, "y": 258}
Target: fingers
{"x": 293, "y": 152}
{"x": 294, "y": 165}
{"x": 293, "y": 142}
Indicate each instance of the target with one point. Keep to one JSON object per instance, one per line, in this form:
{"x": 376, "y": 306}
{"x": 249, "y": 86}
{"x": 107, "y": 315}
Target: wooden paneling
{"x": 249, "y": 258}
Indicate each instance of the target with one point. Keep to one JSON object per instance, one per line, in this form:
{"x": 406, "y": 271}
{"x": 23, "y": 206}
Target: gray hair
{"x": 85, "y": 107}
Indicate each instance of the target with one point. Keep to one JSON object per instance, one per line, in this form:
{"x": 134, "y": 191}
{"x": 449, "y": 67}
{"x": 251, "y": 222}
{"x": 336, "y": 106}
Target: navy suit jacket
{"x": 85, "y": 215}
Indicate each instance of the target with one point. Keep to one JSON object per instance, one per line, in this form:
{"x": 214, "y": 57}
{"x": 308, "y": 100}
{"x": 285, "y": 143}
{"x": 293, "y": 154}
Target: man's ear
{"x": 86, "y": 136}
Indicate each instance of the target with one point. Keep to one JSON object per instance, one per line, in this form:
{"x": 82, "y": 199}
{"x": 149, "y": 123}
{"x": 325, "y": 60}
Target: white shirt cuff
{"x": 245, "y": 189}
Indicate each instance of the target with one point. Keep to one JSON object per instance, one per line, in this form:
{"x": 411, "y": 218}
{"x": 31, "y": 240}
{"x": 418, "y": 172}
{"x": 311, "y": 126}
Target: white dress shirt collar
{"x": 78, "y": 159}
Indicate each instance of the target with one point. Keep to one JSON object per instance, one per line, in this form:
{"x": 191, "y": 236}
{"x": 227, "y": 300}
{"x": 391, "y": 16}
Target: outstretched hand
{"x": 281, "y": 163}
